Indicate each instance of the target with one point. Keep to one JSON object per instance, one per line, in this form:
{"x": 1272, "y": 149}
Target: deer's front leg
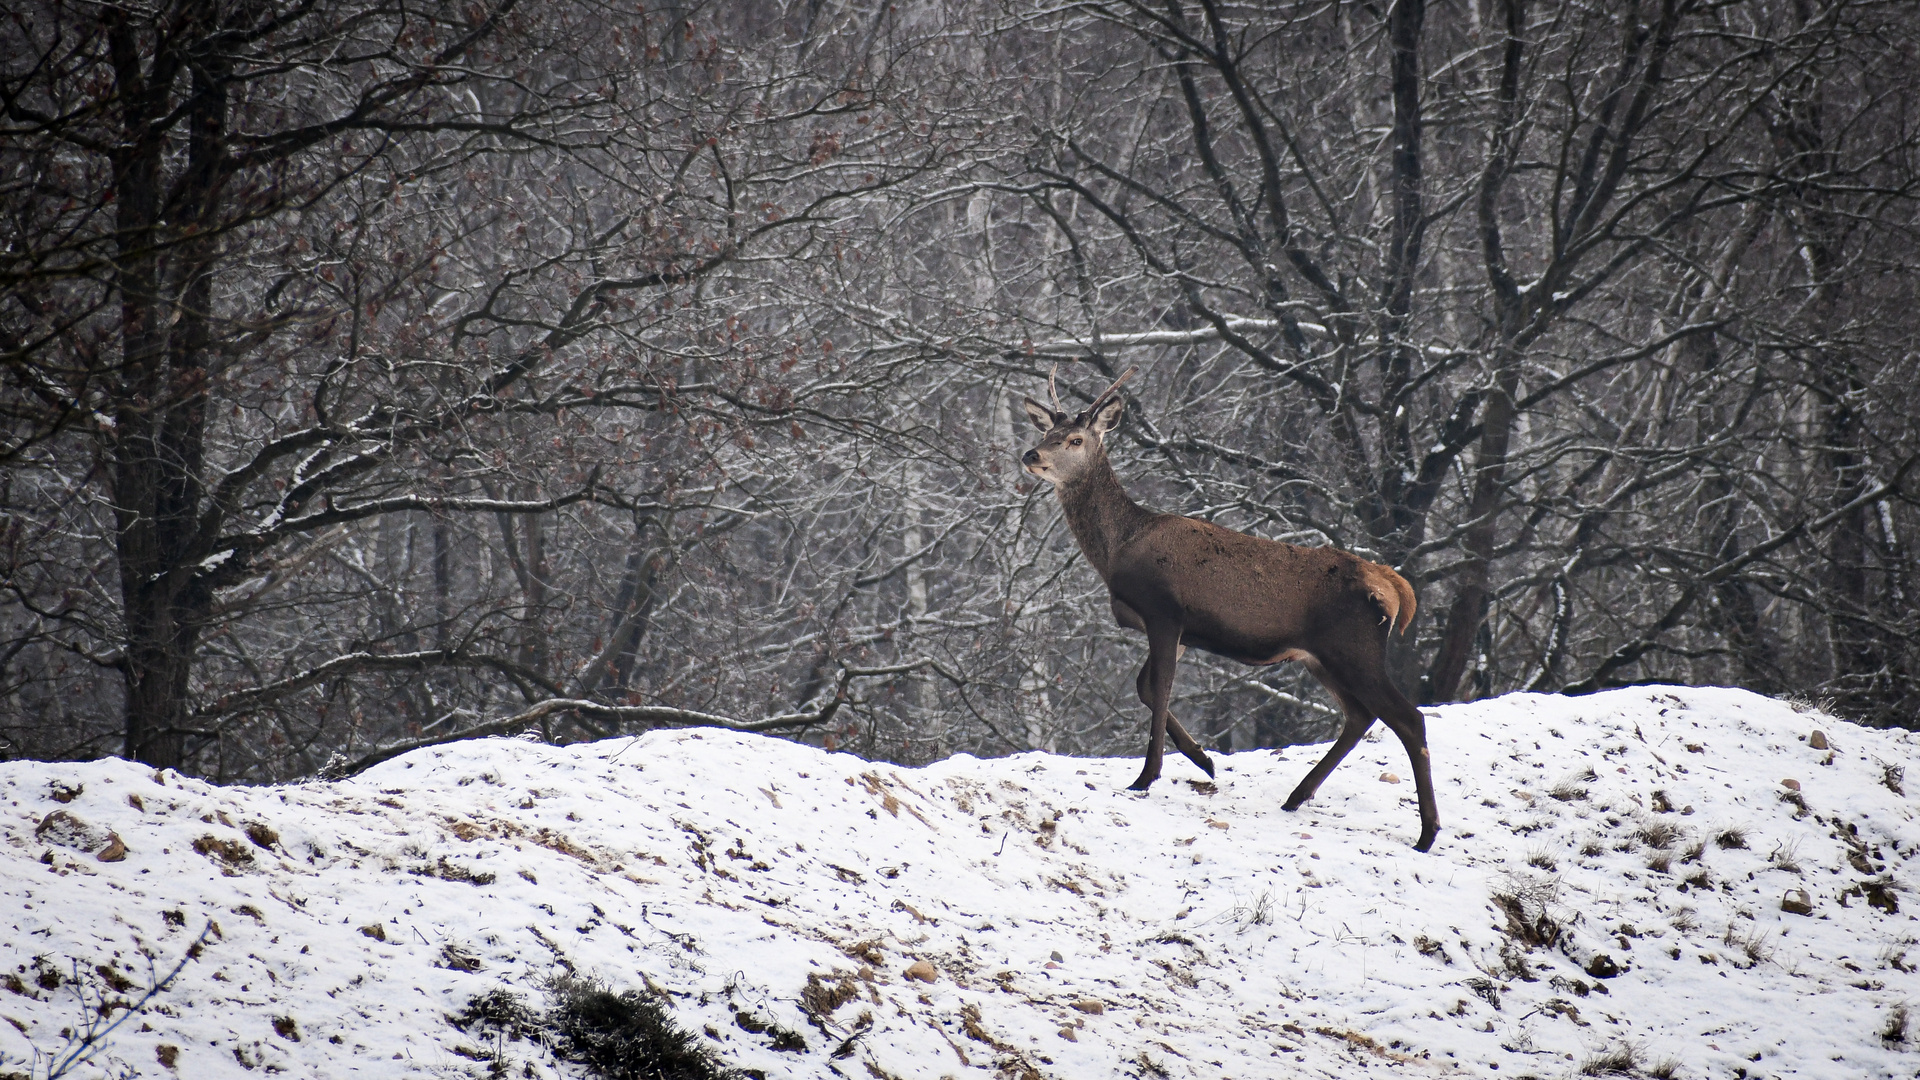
{"x": 1174, "y": 731}
{"x": 1163, "y": 652}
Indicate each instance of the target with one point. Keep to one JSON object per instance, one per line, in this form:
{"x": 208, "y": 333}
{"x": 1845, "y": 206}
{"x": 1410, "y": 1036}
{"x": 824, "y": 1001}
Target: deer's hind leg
{"x": 1358, "y": 720}
{"x": 1406, "y": 722}
{"x": 1365, "y": 692}
{"x": 1179, "y": 734}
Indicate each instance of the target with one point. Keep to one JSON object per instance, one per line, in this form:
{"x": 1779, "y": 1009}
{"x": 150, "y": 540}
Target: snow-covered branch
{"x": 1076, "y": 346}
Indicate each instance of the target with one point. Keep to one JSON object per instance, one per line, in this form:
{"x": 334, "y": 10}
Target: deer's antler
{"x": 1053, "y": 392}
{"x": 1108, "y": 392}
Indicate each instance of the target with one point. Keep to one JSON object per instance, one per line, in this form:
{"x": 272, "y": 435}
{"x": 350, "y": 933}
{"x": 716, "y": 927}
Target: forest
{"x": 376, "y": 373}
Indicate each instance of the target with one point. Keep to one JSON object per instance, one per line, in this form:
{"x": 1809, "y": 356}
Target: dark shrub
{"x": 626, "y": 1036}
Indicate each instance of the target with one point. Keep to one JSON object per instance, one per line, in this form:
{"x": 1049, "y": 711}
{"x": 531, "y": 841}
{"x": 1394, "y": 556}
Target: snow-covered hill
{"x": 1608, "y": 886}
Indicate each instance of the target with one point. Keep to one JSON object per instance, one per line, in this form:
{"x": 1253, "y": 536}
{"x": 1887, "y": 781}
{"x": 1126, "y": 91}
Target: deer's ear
{"x": 1042, "y": 417}
{"x": 1108, "y": 416}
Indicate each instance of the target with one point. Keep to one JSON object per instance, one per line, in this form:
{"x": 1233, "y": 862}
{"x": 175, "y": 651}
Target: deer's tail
{"x": 1391, "y": 592}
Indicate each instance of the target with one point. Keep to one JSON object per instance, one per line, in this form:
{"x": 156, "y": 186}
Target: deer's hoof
{"x": 1142, "y": 784}
{"x": 1426, "y": 838}
{"x": 1205, "y": 763}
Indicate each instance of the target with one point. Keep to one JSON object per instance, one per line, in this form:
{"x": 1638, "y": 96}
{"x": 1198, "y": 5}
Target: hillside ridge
{"x": 1609, "y": 880}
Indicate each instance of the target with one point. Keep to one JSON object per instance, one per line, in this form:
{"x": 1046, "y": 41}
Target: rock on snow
{"x": 1610, "y": 879}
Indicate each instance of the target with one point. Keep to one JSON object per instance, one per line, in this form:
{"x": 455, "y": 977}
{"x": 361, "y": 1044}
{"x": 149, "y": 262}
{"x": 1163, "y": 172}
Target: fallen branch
{"x": 355, "y": 663}
{"x": 581, "y": 708}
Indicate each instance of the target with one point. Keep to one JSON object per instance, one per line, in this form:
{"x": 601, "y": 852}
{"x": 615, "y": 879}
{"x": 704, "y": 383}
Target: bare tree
{"x": 377, "y": 375}
{"x": 297, "y": 272}
{"x": 1470, "y": 289}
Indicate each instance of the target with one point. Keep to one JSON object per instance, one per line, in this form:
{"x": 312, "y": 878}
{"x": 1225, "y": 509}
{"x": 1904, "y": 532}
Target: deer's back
{"x": 1240, "y": 596}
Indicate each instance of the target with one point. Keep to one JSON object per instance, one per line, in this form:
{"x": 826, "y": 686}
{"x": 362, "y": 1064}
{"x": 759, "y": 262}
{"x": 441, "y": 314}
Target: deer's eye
{"x": 1077, "y": 441}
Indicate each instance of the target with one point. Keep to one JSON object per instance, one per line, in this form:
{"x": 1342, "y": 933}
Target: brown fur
{"x": 1189, "y": 583}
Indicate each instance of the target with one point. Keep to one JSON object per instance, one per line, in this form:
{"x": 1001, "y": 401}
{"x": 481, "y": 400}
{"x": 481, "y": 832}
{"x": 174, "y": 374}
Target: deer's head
{"x": 1071, "y": 445}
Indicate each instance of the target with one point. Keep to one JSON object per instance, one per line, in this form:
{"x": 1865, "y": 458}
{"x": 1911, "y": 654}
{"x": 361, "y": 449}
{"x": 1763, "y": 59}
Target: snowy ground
{"x": 1058, "y": 925}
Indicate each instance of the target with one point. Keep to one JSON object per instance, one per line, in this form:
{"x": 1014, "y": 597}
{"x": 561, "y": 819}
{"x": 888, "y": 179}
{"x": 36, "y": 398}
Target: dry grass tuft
{"x": 1732, "y": 838}
{"x": 1573, "y": 787}
{"x": 1797, "y": 801}
{"x": 1529, "y": 923}
{"x": 1148, "y": 1066}
{"x": 1658, "y": 834}
{"x": 1892, "y": 775}
{"x": 1427, "y": 946}
{"x": 1806, "y": 703}
{"x": 1750, "y": 941}
{"x": 1622, "y": 1060}
{"x": 234, "y": 855}
{"x": 1894, "y": 1033}
{"x": 1895, "y": 956}
{"x": 1257, "y": 912}
{"x": 821, "y": 997}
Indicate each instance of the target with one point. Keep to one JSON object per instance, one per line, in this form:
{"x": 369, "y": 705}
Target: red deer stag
{"x": 1187, "y": 582}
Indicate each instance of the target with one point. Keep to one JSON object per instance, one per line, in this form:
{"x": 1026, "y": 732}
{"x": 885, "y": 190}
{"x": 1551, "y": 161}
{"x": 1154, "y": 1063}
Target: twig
{"x": 93, "y": 1037}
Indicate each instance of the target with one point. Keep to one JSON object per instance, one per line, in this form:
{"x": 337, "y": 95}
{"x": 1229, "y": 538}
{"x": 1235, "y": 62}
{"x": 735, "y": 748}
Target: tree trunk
{"x": 1858, "y": 651}
{"x": 1442, "y": 682}
{"x": 159, "y": 660}
{"x": 159, "y": 429}
{"x": 442, "y": 581}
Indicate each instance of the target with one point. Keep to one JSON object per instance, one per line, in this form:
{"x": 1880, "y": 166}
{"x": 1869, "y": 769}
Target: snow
{"x": 1206, "y": 933}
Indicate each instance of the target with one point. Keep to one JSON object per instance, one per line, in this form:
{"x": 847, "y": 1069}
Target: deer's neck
{"x": 1101, "y": 515}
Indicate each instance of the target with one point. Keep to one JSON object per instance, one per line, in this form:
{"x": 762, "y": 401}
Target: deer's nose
{"x": 1031, "y": 457}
